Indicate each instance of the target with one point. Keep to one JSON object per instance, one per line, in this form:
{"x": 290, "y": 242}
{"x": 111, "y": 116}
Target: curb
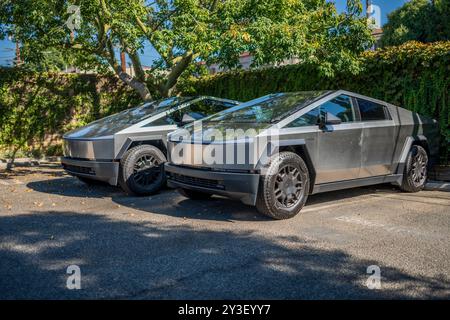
{"x": 437, "y": 186}
{"x": 28, "y": 162}
{"x": 440, "y": 173}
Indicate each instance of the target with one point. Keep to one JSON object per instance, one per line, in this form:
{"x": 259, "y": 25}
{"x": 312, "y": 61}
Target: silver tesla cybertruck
{"x": 129, "y": 148}
{"x": 274, "y": 151}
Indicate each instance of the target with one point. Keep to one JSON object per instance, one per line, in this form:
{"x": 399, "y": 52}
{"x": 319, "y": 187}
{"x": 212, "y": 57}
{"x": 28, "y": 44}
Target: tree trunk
{"x": 10, "y": 164}
{"x": 182, "y": 64}
{"x": 140, "y": 87}
{"x": 123, "y": 63}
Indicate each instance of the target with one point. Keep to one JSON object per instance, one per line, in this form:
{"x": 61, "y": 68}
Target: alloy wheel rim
{"x": 288, "y": 187}
{"x": 146, "y": 170}
{"x": 419, "y": 169}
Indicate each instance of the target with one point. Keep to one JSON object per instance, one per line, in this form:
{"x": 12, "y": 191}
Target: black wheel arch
{"x": 421, "y": 141}
{"x": 156, "y": 143}
{"x": 130, "y": 143}
{"x": 302, "y": 150}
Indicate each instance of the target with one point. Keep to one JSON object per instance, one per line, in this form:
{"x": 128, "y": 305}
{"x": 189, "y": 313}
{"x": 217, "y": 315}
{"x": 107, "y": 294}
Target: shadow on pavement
{"x": 72, "y": 187}
{"x": 42, "y": 169}
{"x": 142, "y": 260}
{"x": 169, "y": 202}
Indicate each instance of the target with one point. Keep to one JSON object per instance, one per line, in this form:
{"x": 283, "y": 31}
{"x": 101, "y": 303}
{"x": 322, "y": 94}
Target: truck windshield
{"x": 268, "y": 109}
{"x": 119, "y": 121}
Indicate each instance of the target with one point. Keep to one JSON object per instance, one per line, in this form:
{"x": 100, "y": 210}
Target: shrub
{"x": 36, "y": 109}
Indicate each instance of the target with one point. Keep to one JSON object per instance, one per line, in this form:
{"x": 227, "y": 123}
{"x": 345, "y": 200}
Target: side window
{"x": 197, "y": 110}
{"x": 308, "y": 119}
{"x": 340, "y": 107}
{"x": 164, "y": 121}
{"x": 371, "y": 111}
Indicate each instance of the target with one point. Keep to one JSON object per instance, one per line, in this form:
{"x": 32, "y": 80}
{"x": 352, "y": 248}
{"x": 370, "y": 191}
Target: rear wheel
{"x": 194, "y": 195}
{"x": 415, "y": 173}
{"x": 142, "y": 170}
{"x": 283, "y": 190}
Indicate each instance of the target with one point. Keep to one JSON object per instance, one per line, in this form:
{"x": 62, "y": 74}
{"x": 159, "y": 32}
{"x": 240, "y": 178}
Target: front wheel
{"x": 284, "y": 188}
{"x": 141, "y": 170}
{"x": 415, "y": 173}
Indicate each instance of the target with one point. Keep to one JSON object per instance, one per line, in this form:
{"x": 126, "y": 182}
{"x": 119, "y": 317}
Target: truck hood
{"x": 218, "y": 131}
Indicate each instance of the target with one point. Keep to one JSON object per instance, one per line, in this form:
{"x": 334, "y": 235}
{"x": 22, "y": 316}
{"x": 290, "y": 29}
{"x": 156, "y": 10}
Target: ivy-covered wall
{"x": 36, "y": 109}
{"x": 414, "y": 76}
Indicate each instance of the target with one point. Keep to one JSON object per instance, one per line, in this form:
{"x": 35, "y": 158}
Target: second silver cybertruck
{"x": 274, "y": 151}
{"x": 129, "y": 148}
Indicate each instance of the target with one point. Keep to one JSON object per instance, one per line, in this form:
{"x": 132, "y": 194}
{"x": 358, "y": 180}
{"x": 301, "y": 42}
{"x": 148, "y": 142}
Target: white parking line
{"x": 385, "y": 227}
{"x": 375, "y": 196}
{"x": 414, "y": 198}
{"x": 337, "y": 204}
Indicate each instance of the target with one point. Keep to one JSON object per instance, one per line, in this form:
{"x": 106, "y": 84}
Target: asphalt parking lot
{"x": 169, "y": 247}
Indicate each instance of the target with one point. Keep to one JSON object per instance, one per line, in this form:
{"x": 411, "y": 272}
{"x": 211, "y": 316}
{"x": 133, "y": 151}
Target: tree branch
{"x": 213, "y": 5}
{"x": 141, "y": 25}
{"x": 137, "y": 66}
{"x": 181, "y": 65}
{"x": 134, "y": 83}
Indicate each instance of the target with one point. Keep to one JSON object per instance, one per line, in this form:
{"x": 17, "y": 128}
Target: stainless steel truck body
{"x": 136, "y": 138}
{"x": 312, "y": 142}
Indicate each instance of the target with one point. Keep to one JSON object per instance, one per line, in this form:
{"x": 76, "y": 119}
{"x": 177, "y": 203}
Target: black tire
{"x": 91, "y": 182}
{"x": 194, "y": 195}
{"x": 284, "y": 188}
{"x": 415, "y": 173}
{"x": 141, "y": 170}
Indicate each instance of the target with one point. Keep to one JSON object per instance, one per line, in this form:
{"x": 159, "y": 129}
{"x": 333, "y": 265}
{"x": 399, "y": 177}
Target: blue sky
{"x": 386, "y": 6}
{"x": 7, "y": 51}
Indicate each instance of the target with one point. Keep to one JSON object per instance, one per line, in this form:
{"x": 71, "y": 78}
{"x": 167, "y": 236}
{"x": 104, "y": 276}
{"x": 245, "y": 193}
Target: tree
{"x": 420, "y": 20}
{"x": 185, "y": 32}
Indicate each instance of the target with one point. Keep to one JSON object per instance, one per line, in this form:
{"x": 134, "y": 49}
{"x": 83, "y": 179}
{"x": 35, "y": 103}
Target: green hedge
{"x": 415, "y": 76}
{"x": 35, "y": 109}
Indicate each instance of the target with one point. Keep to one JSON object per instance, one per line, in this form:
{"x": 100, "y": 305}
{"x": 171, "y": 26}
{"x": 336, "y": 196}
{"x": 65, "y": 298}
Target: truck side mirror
{"x": 329, "y": 119}
{"x": 187, "y": 119}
